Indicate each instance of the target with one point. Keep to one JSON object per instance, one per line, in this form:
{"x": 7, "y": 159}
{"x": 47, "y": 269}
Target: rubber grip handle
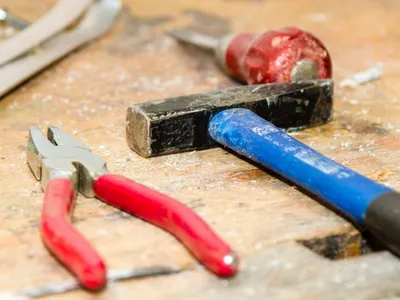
{"x": 383, "y": 220}
{"x": 235, "y": 54}
{"x": 255, "y": 138}
{"x": 172, "y": 216}
{"x": 62, "y": 239}
{"x": 273, "y": 56}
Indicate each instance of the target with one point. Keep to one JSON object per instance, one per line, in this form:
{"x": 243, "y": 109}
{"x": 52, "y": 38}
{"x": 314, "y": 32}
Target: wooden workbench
{"x": 290, "y": 245}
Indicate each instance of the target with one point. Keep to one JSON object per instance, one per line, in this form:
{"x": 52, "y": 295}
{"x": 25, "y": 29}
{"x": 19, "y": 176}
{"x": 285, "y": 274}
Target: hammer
{"x": 253, "y": 121}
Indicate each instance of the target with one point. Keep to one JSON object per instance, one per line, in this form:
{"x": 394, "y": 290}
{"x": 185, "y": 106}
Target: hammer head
{"x": 181, "y": 123}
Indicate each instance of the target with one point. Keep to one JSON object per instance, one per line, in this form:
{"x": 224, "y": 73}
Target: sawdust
{"x": 382, "y": 175}
{"x": 363, "y": 77}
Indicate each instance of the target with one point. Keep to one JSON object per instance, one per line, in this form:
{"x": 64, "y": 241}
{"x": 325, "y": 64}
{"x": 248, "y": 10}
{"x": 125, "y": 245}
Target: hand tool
{"x": 57, "y": 288}
{"x": 98, "y": 19}
{"x": 249, "y": 125}
{"x": 57, "y": 19}
{"x": 10, "y": 19}
{"x": 64, "y": 166}
{"x": 181, "y": 123}
{"x": 276, "y": 56}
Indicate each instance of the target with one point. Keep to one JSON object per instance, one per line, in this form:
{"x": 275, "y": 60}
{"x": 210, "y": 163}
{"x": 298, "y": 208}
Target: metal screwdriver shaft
{"x": 191, "y": 37}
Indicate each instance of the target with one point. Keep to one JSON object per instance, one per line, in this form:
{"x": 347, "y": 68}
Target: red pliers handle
{"x": 71, "y": 248}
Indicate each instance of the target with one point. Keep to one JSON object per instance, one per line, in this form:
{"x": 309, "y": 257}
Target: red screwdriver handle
{"x": 276, "y": 56}
{"x": 61, "y": 238}
{"x": 172, "y": 216}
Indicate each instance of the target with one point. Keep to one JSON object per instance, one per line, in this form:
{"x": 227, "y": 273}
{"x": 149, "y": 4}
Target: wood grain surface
{"x": 286, "y": 238}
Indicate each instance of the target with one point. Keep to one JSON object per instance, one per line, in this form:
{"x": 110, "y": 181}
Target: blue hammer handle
{"x": 369, "y": 203}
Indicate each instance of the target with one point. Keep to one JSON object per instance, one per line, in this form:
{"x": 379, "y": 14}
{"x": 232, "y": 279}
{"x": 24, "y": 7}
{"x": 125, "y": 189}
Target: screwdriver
{"x": 276, "y": 56}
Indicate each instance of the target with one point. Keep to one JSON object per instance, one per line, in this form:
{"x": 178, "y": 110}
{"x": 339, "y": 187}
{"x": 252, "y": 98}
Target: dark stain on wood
{"x": 247, "y": 175}
{"x": 359, "y": 126}
{"x": 344, "y": 245}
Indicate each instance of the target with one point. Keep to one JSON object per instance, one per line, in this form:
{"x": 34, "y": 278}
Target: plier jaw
{"x": 59, "y": 155}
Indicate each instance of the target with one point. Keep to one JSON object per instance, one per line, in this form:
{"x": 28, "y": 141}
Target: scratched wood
{"x": 275, "y": 227}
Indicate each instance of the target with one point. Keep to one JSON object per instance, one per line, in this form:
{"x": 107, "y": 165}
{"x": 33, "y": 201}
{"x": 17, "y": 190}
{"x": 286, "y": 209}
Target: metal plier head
{"x": 61, "y": 155}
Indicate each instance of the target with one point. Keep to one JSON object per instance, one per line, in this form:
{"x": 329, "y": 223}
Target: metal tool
{"x": 10, "y": 19}
{"x": 249, "y": 125}
{"x": 62, "y": 14}
{"x": 97, "y": 20}
{"x": 181, "y": 124}
{"x": 276, "y": 56}
{"x": 64, "y": 166}
{"x": 61, "y": 287}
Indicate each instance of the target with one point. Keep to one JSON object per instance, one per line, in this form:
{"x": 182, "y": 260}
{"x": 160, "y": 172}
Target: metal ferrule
{"x": 220, "y": 51}
{"x": 304, "y": 70}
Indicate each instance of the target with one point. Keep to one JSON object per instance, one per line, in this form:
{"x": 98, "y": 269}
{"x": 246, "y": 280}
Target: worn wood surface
{"x": 266, "y": 219}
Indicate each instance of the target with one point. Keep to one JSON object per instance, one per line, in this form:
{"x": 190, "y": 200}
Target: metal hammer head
{"x": 181, "y": 124}
{"x": 60, "y": 155}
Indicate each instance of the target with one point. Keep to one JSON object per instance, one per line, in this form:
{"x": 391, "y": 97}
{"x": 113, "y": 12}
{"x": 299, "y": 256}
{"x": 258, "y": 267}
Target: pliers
{"x": 65, "y": 166}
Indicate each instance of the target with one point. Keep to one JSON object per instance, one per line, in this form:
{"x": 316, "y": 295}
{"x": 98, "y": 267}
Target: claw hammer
{"x": 253, "y": 121}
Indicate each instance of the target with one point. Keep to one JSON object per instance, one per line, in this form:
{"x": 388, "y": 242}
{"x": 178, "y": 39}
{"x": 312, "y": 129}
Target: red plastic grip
{"x": 271, "y": 57}
{"x": 236, "y": 53}
{"x": 172, "y": 216}
{"x": 67, "y": 244}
